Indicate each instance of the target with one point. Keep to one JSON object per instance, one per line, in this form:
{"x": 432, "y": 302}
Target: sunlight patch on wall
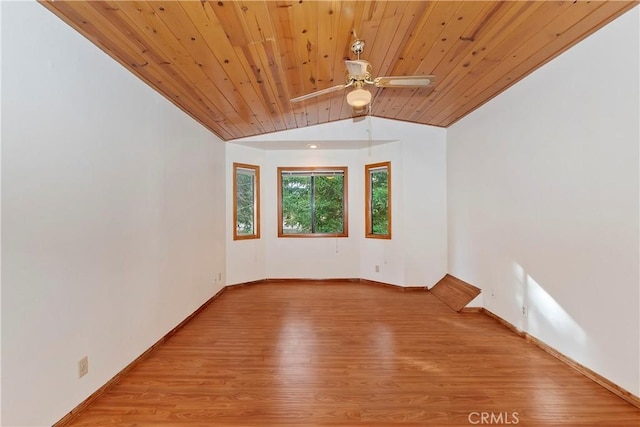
{"x": 545, "y": 311}
{"x": 541, "y": 312}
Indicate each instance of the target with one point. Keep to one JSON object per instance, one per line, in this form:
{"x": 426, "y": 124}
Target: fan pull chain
{"x": 370, "y": 132}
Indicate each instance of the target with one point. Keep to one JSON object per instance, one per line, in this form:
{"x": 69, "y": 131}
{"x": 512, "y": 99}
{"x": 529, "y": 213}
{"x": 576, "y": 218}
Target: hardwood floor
{"x": 331, "y": 353}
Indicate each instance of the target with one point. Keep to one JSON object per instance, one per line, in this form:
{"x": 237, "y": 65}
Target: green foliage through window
{"x": 246, "y": 187}
{"x": 313, "y": 201}
{"x": 378, "y": 200}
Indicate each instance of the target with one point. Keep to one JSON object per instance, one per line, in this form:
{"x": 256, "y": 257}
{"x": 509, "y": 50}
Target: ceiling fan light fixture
{"x": 358, "y": 98}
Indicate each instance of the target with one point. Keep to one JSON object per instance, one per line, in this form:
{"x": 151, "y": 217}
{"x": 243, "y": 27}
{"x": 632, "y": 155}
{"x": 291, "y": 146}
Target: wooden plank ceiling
{"x": 234, "y": 65}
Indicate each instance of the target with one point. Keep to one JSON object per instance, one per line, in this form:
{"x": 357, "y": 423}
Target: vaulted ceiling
{"x": 235, "y": 65}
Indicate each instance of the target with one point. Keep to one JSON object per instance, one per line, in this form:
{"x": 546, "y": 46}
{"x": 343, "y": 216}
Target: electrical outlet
{"x": 219, "y": 276}
{"x": 83, "y": 367}
{"x": 492, "y": 292}
{"x": 524, "y": 311}
{"x": 377, "y": 269}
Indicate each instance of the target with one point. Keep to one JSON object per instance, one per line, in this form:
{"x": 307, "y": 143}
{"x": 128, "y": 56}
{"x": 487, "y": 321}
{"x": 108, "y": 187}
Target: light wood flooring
{"x": 349, "y": 354}
{"x": 454, "y": 292}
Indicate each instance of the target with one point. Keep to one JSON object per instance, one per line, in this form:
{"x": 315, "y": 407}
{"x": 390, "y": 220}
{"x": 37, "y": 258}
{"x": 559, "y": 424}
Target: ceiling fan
{"x": 359, "y": 76}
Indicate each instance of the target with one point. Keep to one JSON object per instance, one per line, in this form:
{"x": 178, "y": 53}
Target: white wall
{"x": 417, "y": 253}
{"x": 246, "y": 259}
{"x": 415, "y": 256}
{"x": 315, "y": 258}
{"x": 112, "y": 216}
{"x": 543, "y": 189}
{"x": 388, "y": 255}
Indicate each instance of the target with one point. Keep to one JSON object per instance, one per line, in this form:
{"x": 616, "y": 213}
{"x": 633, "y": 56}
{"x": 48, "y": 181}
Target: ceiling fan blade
{"x": 318, "y": 93}
{"x": 404, "y": 81}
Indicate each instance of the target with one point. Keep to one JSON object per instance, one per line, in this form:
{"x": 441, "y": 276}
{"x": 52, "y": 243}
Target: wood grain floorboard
{"x": 454, "y": 292}
{"x": 348, "y": 354}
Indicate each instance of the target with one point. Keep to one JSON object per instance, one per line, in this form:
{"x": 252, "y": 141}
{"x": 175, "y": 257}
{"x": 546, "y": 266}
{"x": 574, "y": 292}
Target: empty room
{"x": 320, "y": 213}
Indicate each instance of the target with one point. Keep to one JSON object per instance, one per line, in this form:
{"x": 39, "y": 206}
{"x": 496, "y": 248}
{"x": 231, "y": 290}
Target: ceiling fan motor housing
{"x": 358, "y": 70}
{"x": 357, "y": 47}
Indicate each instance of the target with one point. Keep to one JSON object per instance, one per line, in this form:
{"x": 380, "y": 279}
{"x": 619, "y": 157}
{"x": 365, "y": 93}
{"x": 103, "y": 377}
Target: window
{"x": 246, "y": 201}
{"x": 312, "y": 202}
{"x": 378, "y": 200}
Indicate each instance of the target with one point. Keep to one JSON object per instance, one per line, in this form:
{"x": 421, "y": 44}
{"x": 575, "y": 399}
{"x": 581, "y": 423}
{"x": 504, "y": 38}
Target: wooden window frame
{"x": 256, "y": 183}
{"x": 345, "y": 201}
{"x": 368, "y": 213}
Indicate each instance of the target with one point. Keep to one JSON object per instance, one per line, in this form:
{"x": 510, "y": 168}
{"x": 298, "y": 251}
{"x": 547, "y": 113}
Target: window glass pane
{"x": 245, "y": 202}
{"x": 329, "y": 204}
{"x": 379, "y": 201}
{"x": 313, "y": 202}
{"x": 378, "y": 204}
{"x": 296, "y": 204}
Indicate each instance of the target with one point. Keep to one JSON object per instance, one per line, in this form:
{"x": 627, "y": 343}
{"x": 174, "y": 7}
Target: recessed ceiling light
{"x": 312, "y": 146}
